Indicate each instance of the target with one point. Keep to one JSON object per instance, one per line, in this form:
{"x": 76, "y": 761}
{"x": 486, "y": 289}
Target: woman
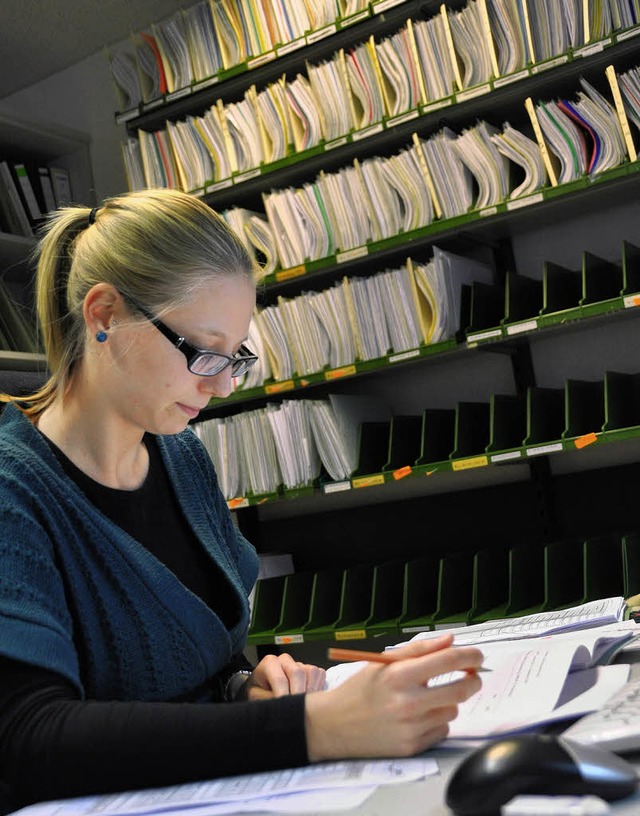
{"x": 123, "y": 580}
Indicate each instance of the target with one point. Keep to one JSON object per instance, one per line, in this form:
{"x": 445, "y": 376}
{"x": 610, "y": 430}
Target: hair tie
{"x": 92, "y": 215}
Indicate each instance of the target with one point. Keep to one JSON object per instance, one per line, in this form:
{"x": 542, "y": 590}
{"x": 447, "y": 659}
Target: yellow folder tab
{"x": 427, "y": 175}
{"x": 527, "y": 30}
{"x": 546, "y": 158}
{"x": 452, "y": 50}
{"x": 610, "y": 71}
{"x": 411, "y": 36}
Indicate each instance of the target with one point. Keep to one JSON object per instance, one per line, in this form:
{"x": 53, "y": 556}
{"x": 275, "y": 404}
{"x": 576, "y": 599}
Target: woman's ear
{"x": 100, "y": 304}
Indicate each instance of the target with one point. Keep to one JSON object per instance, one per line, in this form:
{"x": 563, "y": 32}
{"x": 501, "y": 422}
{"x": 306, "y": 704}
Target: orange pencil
{"x": 347, "y": 655}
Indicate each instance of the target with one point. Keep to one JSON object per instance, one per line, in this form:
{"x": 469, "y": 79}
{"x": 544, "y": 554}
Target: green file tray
{"x": 545, "y": 415}
{"x": 386, "y": 603}
{"x": 631, "y": 564}
{"x": 438, "y": 435}
{"x": 526, "y": 580}
{"x": 603, "y": 569}
{"x": 584, "y": 407}
{"x": 487, "y": 306}
{"x": 630, "y": 268}
{"x": 465, "y": 312}
{"x": 326, "y": 596}
{"x": 355, "y": 602}
{"x": 561, "y": 288}
{"x": 490, "y": 593}
{"x": 405, "y": 441}
{"x": 420, "y": 596}
{"x": 296, "y": 604}
{"x": 523, "y": 297}
{"x": 455, "y": 589}
{"x": 267, "y": 609}
{"x": 563, "y": 575}
{"x": 621, "y": 400}
{"x": 471, "y": 430}
{"x": 601, "y": 279}
{"x": 373, "y": 447}
{"x": 507, "y": 421}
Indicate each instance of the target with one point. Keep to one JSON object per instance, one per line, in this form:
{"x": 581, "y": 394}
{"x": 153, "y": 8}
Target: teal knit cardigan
{"x": 80, "y": 597}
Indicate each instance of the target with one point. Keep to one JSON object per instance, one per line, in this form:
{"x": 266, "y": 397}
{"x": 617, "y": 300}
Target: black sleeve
{"x": 54, "y": 745}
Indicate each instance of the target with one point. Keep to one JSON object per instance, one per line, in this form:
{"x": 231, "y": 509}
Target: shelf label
{"x": 336, "y": 487}
{"x": 283, "y": 640}
{"x": 291, "y": 46}
{"x": 400, "y": 473}
{"x": 509, "y": 78}
{"x": 486, "y": 335}
{"x": 276, "y": 388}
{"x": 585, "y": 439}
{"x": 404, "y": 355}
{"x": 186, "y": 91}
{"x": 368, "y": 131}
{"x": 594, "y": 48}
{"x": 507, "y": 456}
{"x": 205, "y": 83}
{"x": 537, "y": 451}
{"x": 472, "y": 93}
{"x": 336, "y": 373}
{"x": 351, "y": 634}
{"x": 517, "y": 203}
{"x": 408, "y": 629}
{"x": 631, "y": 300}
{"x": 261, "y": 60}
{"x": 352, "y": 254}
{"x": 153, "y": 103}
{"x": 439, "y": 103}
{"x": 123, "y": 117}
{"x": 487, "y": 211}
{"x": 383, "y": 5}
{"x": 354, "y": 18}
{"x": 368, "y": 481}
{"x": 235, "y": 504}
{"x": 219, "y": 185}
{"x": 471, "y": 462}
{"x": 335, "y": 143}
{"x": 292, "y": 272}
{"x": 249, "y": 174}
{"x": 321, "y": 33}
{"x": 553, "y": 63}
{"x": 403, "y": 117}
{"x": 525, "y": 326}
{"x": 626, "y": 35}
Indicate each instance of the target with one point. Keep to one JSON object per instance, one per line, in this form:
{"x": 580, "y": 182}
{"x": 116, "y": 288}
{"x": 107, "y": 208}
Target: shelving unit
{"x": 538, "y": 514}
{"x": 28, "y": 141}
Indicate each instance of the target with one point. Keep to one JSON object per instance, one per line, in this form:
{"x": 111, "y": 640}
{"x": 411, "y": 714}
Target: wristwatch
{"x": 235, "y": 683}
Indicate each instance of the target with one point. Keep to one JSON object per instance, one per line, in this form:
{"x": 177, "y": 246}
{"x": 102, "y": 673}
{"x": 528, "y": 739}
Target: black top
{"x": 53, "y": 744}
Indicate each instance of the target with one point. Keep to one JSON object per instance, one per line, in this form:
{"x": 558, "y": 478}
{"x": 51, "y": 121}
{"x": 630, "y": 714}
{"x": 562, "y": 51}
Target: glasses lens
{"x": 208, "y": 365}
{"x": 242, "y": 365}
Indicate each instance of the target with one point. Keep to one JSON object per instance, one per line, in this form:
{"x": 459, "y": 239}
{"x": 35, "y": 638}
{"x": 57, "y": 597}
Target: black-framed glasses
{"x": 204, "y": 362}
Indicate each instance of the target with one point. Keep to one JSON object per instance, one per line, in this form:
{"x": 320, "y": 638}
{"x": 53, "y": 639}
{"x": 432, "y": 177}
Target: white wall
{"x": 82, "y": 98}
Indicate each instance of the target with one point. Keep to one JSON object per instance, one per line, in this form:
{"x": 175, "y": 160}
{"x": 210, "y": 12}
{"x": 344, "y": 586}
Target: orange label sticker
{"x": 586, "y": 439}
{"x": 400, "y": 473}
{"x": 336, "y": 373}
{"x": 292, "y": 272}
{"x": 233, "y": 504}
{"x": 275, "y": 388}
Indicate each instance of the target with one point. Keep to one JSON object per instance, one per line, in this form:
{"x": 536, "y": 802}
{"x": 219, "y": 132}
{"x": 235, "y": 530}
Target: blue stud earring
{"x": 101, "y": 336}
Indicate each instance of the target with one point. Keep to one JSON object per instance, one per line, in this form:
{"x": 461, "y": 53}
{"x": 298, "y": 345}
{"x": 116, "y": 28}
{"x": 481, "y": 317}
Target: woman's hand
{"x": 277, "y": 675}
{"x": 388, "y": 709}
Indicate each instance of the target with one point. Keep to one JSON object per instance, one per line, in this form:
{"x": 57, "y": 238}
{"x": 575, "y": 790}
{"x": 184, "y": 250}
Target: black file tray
{"x": 405, "y": 441}
{"x": 631, "y": 564}
{"x": 420, "y": 597}
{"x": 472, "y": 429}
{"x": 386, "y": 604}
{"x": 296, "y": 604}
{"x": 603, "y": 570}
{"x": 527, "y": 583}
{"x": 355, "y": 602}
{"x": 267, "y": 609}
{"x": 373, "y": 447}
{"x": 438, "y": 435}
{"x": 601, "y": 279}
{"x": 455, "y": 589}
{"x": 523, "y": 297}
{"x": 545, "y": 414}
{"x": 490, "y": 585}
{"x": 326, "y": 596}
{"x": 584, "y": 407}
{"x": 564, "y": 575}
{"x": 561, "y": 288}
{"x": 621, "y": 400}
{"x": 630, "y": 268}
{"x": 507, "y": 421}
{"x": 487, "y": 306}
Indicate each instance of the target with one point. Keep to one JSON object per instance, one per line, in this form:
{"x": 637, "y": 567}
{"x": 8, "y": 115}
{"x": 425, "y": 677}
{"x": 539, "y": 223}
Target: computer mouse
{"x": 535, "y": 763}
